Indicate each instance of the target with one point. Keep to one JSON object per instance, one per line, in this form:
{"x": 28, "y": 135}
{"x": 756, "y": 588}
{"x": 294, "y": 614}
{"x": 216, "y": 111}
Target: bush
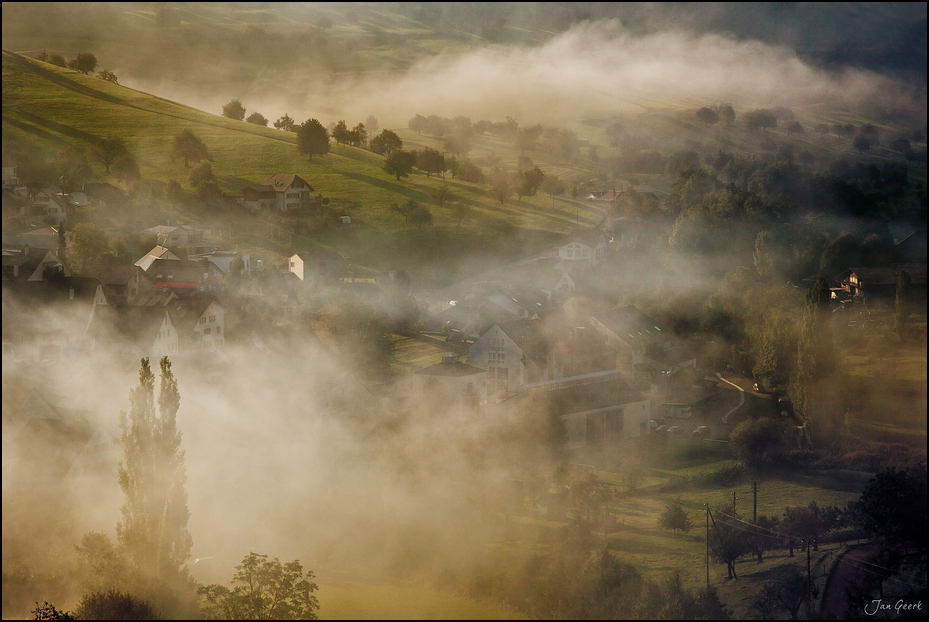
{"x": 114, "y": 605}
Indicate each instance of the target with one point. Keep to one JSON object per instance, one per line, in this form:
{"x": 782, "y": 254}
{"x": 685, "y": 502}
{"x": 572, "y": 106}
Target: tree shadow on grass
{"x": 35, "y": 131}
{"x": 61, "y": 128}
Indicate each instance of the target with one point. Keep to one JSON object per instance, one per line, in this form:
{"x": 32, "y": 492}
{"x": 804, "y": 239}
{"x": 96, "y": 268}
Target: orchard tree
{"x": 553, "y": 187}
{"x": 85, "y": 62}
{"x": 189, "y": 147}
{"x": 108, "y": 76}
{"x": 461, "y": 210}
{"x": 727, "y": 114}
{"x": 674, "y": 518}
{"x": 728, "y": 540}
{"x": 528, "y": 182}
{"x": 203, "y": 181}
{"x": 340, "y": 133}
{"x": 312, "y": 139}
{"x": 263, "y": 589}
{"x": 126, "y": 168}
{"x": 234, "y": 110}
{"x": 430, "y": 161}
{"x": 256, "y": 118}
{"x": 862, "y": 143}
{"x": 153, "y": 530}
{"x": 386, "y": 143}
{"x": 400, "y": 163}
{"x": 109, "y": 149}
{"x": 372, "y": 125}
{"x": 708, "y": 116}
{"x": 286, "y": 124}
{"x": 501, "y": 187}
{"x": 760, "y": 118}
{"x": 787, "y": 591}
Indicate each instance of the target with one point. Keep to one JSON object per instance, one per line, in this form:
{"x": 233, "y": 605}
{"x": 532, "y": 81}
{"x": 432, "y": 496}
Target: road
{"x": 741, "y": 397}
{"x": 842, "y": 575}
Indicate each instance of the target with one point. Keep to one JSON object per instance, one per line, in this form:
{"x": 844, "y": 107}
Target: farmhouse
{"x": 284, "y": 191}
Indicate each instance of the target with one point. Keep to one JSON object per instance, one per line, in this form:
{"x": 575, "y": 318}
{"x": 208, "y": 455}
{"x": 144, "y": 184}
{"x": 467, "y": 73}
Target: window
{"x": 212, "y": 318}
{"x": 206, "y": 331}
{"x": 203, "y": 320}
{"x": 219, "y": 329}
{"x": 293, "y": 264}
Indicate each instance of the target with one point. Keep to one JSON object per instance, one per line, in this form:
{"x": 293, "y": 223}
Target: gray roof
{"x": 455, "y": 369}
{"x": 631, "y": 325}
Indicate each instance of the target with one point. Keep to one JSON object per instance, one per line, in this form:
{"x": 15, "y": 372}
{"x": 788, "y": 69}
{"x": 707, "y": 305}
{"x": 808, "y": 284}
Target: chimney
{"x": 25, "y": 250}
{"x": 70, "y": 293}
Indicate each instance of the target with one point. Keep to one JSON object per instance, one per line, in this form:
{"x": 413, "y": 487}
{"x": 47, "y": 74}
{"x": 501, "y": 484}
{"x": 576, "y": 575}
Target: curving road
{"x": 741, "y": 397}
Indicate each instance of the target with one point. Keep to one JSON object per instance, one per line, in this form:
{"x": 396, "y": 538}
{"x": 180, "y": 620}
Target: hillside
{"x": 79, "y": 110}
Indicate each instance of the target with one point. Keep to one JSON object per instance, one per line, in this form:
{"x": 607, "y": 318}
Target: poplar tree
{"x": 814, "y": 357}
{"x": 153, "y": 530}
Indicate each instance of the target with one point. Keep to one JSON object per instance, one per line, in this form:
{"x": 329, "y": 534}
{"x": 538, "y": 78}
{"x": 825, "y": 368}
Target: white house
{"x": 589, "y": 247}
{"x": 513, "y": 353}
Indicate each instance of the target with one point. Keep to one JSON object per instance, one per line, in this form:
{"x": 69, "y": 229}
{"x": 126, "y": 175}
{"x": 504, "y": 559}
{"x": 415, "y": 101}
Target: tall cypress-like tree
{"x": 815, "y": 357}
{"x": 153, "y": 530}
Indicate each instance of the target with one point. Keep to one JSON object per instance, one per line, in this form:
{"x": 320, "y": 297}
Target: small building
{"x": 604, "y": 413}
{"x": 191, "y": 239}
{"x": 632, "y": 335}
{"x": 186, "y": 276}
{"x": 318, "y": 269}
{"x": 200, "y": 323}
{"x": 122, "y": 284}
{"x": 513, "y": 353}
{"x": 158, "y": 252}
{"x": 50, "y": 206}
{"x": 589, "y": 247}
{"x": 879, "y": 285}
{"x": 32, "y": 264}
{"x": 283, "y": 192}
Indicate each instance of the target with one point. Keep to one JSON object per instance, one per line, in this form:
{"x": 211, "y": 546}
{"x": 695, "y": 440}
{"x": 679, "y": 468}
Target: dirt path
{"x": 833, "y": 604}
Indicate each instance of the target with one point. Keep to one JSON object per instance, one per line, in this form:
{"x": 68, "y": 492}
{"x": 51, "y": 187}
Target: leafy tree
{"x": 234, "y": 110}
{"x": 50, "y": 612}
{"x": 756, "y": 442}
{"x": 812, "y": 522}
{"x": 189, "y": 147}
{"x": 526, "y": 137}
{"x": 468, "y": 171}
{"x": 203, "y": 181}
{"x": 708, "y": 116}
{"x": 57, "y": 60}
{"x": 787, "y": 592}
{"x": 100, "y": 564}
{"x": 727, "y": 114}
{"x": 442, "y": 194}
{"x": 109, "y": 149}
{"x": 528, "y": 182}
{"x": 901, "y": 304}
{"x": 892, "y": 507}
{"x": 430, "y": 161}
{"x": 85, "y": 62}
{"x": 461, "y": 210}
{"x": 386, "y": 143}
{"x": 358, "y": 137}
{"x": 153, "y": 530}
{"x": 286, "y": 124}
{"x": 42, "y": 56}
{"x": 674, "y": 518}
{"x": 109, "y": 76}
{"x": 127, "y": 168}
{"x": 862, "y": 143}
{"x": 728, "y": 539}
{"x": 761, "y": 118}
{"x": 312, "y": 139}
{"x": 417, "y": 123}
{"x": 400, "y": 163}
{"x": 90, "y": 246}
{"x": 794, "y": 127}
{"x": 763, "y": 536}
{"x": 256, "y": 118}
{"x": 900, "y": 144}
{"x": 501, "y": 187}
{"x": 372, "y": 125}
{"x": 421, "y": 217}
{"x": 263, "y": 589}
{"x": 459, "y": 144}
{"x": 553, "y": 187}
{"x": 114, "y": 605}
{"x": 340, "y": 133}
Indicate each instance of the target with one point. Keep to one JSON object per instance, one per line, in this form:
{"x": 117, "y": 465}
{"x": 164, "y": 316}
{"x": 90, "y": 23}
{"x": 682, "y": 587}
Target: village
{"x": 611, "y": 376}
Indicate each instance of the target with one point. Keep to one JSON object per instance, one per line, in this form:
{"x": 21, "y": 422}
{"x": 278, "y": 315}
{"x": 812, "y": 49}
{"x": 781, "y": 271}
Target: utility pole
{"x": 707, "y": 506}
{"x": 733, "y": 502}
{"x": 755, "y": 504}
